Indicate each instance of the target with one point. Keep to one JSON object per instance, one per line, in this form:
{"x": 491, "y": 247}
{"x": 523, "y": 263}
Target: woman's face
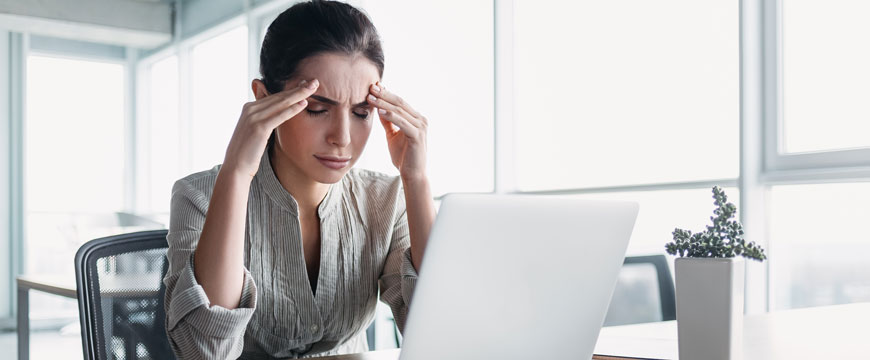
{"x": 337, "y": 122}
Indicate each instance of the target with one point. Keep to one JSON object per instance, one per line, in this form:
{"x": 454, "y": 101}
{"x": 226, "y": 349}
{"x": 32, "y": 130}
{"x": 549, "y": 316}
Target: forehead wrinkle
{"x": 329, "y": 101}
{"x": 345, "y": 79}
{"x": 345, "y": 95}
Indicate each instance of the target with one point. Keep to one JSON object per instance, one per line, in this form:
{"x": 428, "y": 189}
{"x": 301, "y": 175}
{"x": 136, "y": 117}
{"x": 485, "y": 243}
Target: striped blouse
{"x": 365, "y": 249}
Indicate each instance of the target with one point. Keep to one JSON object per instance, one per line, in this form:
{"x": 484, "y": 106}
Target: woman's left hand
{"x": 408, "y": 143}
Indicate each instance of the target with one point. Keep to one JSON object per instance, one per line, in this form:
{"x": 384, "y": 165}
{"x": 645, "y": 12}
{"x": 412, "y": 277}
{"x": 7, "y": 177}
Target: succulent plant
{"x": 722, "y": 239}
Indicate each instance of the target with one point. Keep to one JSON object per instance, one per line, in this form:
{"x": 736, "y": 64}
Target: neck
{"x": 307, "y": 192}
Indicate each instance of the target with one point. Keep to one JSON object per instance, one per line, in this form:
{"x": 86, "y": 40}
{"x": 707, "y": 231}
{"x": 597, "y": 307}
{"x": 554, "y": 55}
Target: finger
{"x": 380, "y": 91}
{"x": 287, "y": 113}
{"x": 382, "y": 104}
{"x": 388, "y": 127}
{"x": 401, "y": 107}
{"x": 269, "y": 99}
{"x": 413, "y": 116}
{"x": 379, "y": 86}
{"x": 276, "y": 102}
{"x": 289, "y": 96}
{"x": 403, "y": 124}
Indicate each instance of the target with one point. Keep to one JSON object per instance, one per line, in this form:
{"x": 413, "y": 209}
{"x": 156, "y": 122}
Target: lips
{"x": 332, "y": 158}
{"x": 333, "y": 162}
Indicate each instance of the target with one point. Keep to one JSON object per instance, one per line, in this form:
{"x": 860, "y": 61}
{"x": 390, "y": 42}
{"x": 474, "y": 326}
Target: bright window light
{"x": 819, "y": 244}
{"x": 612, "y": 93}
{"x": 826, "y": 80}
{"x": 219, "y": 88}
{"x": 164, "y": 162}
{"x": 73, "y": 164}
{"x": 445, "y": 71}
{"x": 663, "y": 210}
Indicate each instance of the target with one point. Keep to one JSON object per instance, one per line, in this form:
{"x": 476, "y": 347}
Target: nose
{"x": 339, "y": 132}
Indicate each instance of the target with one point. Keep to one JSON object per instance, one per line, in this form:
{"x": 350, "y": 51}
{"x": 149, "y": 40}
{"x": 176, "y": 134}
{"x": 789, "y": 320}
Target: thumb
{"x": 388, "y": 127}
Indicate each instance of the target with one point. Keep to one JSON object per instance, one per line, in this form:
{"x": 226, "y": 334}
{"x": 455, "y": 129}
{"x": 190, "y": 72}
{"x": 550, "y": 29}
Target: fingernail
{"x": 312, "y": 84}
{"x": 377, "y": 89}
{"x": 382, "y": 111}
{"x": 372, "y": 98}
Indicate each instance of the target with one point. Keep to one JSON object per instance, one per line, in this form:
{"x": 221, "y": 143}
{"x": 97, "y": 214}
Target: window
{"x": 625, "y": 97}
{"x": 629, "y": 92}
{"x": 826, "y": 80}
{"x": 74, "y": 164}
{"x": 819, "y": 244}
{"x": 445, "y": 71}
{"x": 820, "y": 130}
{"x": 159, "y": 163}
{"x": 219, "y": 88}
{"x": 663, "y": 210}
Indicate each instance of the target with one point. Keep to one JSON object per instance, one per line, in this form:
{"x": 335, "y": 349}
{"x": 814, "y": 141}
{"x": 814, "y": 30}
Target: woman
{"x": 282, "y": 249}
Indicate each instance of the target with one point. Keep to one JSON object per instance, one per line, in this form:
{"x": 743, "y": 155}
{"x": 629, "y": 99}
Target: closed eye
{"x": 319, "y": 112}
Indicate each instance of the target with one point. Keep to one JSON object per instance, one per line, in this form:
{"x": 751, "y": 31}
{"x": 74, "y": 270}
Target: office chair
{"x": 119, "y": 284}
{"x": 393, "y": 332}
{"x": 644, "y": 292}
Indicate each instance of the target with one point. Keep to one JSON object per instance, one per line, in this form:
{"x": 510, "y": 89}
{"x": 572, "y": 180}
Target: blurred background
{"x": 105, "y": 103}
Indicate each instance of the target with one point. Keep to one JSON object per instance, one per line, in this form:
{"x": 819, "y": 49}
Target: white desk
{"x": 827, "y": 332}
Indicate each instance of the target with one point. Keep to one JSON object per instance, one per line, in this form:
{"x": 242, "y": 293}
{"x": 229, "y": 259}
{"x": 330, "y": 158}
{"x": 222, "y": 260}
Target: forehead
{"x": 344, "y": 78}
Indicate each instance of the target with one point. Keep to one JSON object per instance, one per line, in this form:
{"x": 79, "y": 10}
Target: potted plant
{"x": 709, "y": 284}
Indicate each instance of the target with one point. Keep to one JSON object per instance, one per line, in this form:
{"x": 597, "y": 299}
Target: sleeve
{"x": 197, "y": 330}
{"x": 399, "y": 275}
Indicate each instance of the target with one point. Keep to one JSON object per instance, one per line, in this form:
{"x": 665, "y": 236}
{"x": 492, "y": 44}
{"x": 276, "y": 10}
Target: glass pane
{"x": 625, "y": 92}
{"x": 74, "y": 165}
{"x": 163, "y": 160}
{"x": 454, "y": 92}
{"x": 819, "y": 244}
{"x": 663, "y": 210}
{"x": 826, "y": 80}
{"x": 219, "y": 88}
{"x": 75, "y": 131}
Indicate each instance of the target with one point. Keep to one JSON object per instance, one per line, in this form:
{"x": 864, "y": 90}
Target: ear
{"x": 259, "y": 89}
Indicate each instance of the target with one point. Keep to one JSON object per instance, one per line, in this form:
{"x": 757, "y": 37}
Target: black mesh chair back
{"x": 119, "y": 281}
{"x": 644, "y": 292}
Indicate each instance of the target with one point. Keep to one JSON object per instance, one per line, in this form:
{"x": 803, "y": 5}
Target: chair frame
{"x": 86, "y": 257}
{"x": 666, "y": 282}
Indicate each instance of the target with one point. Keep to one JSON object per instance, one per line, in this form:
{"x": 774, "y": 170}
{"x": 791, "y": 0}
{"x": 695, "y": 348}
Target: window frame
{"x": 96, "y": 54}
{"x": 19, "y": 47}
{"x": 836, "y": 165}
{"x": 778, "y": 167}
{"x": 183, "y": 50}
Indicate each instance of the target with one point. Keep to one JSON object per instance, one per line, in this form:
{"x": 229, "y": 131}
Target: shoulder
{"x": 372, "y": 183}
{"x": 196, "y": 185}
{"x": 375, "y": 191}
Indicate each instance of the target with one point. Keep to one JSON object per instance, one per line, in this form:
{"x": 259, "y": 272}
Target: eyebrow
{"x": 333, "y": 102}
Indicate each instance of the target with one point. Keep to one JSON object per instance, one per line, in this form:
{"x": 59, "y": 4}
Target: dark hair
{"x": 311, "y": 28}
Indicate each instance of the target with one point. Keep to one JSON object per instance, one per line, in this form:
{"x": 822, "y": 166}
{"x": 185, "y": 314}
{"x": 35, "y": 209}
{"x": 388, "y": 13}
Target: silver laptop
{"x": 517, "y": 277}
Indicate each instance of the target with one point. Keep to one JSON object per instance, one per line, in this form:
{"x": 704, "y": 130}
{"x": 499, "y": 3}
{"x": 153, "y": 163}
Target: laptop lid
{"x": 517, "y": 277}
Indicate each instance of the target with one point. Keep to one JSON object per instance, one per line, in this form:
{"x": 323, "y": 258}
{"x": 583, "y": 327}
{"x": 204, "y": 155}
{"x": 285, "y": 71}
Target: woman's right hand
{"x": 256, "y": 123}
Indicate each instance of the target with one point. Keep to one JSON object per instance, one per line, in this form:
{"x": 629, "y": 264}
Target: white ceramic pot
{"x": 710, "y": 308}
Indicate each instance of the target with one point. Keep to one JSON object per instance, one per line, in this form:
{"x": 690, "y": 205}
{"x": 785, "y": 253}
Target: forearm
{"x": 219, "y": 255}
{"x": 421, "y": 215}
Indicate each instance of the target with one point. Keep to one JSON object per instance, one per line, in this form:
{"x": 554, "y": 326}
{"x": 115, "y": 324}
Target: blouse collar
{"x": 270, "y": 183}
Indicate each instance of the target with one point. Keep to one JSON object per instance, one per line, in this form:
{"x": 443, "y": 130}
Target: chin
{"x": 327, "y": 176}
